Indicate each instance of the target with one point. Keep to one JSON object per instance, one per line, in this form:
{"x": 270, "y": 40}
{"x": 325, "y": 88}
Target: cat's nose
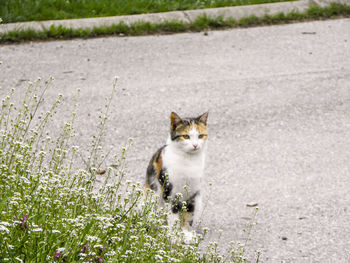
{"x": 195, "y": 146}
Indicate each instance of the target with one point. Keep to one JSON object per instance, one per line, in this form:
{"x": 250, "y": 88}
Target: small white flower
{"x": 92, "y": 238}
{"x": 107, "y": 225}
{"x": 98, "y": 246}
{"x": 60, "y": 250}
{"x": 4, "y": 229}
{"x": 25, "y": 180}
{"x": 37, "y": 229}
{"x": 20, "y": 260}
{"x": 158, "y": 257}
{"x": 5, "y": 224}
{"x": 56, "y": 231}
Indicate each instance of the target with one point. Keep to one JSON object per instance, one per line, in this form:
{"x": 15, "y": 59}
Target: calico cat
{"x": 176, "y": 169}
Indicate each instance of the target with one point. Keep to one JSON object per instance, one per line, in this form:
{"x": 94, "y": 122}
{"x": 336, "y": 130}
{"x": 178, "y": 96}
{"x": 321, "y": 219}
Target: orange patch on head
{"x": 184, "y": 130}
{"x": 201, "y": 128}
{"x": 181, "y": 127}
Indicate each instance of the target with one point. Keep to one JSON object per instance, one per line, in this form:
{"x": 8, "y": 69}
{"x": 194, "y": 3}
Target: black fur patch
{"x": 150, "y": 170}
{"x": 150, "y": 176}
{"x": 190, "y": 204}
{"x": 173, "y": 136}
{"x": 167, "y": 186}
{"x": 163, "y": 177}
{"x": 176, "y": 207}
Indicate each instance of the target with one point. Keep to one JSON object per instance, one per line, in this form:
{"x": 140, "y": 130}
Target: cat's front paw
{"x": 189, "y": 237}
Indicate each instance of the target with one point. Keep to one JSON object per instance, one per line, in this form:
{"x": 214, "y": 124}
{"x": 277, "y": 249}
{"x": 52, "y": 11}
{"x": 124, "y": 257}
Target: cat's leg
{"x": 190, "y": 217}
{"x": 192, "y": 214}
{"x": 188, "y": 233}
{"x": 197, "y": 213}
{"x": 181, "y": 220}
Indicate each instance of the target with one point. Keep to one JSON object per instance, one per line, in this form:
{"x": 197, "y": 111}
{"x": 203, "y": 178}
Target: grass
{"x": 200, "y": 24}
{"x": 23, "y": 10}
{"x": 52, "y": 209}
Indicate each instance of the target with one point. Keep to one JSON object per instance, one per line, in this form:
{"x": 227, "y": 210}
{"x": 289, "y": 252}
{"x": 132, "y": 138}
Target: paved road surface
{"x": 279, "y": 101}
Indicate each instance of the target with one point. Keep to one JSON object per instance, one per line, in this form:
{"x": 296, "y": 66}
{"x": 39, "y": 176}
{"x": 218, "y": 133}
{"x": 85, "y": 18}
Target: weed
{"x": 21, "y": 10}
{"x": 201, "y": 23}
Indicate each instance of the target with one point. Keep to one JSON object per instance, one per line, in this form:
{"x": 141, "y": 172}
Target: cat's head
{"x": 189, "y": 134}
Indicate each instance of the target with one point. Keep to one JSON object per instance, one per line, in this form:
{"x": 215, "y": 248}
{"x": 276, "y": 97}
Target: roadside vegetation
{"x": 23, "y": 10}
{"x": 52, "y": 209}
{"x": 203, "y": 23}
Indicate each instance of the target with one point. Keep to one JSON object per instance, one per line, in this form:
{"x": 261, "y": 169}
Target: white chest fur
{"x": 184, "y": 170}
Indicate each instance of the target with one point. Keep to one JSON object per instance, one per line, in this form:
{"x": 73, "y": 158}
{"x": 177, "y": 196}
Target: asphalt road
{"x": 279, "y": 121}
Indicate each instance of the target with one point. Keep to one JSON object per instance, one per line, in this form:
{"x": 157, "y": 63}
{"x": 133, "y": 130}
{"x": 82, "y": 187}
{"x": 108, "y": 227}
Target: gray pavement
{"x": 279, "y": 122}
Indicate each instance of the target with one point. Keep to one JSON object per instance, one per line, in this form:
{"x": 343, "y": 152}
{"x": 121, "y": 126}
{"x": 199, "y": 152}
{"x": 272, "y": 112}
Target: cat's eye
{"x": 200, "y": 136}
{"x": 185, "y": 136}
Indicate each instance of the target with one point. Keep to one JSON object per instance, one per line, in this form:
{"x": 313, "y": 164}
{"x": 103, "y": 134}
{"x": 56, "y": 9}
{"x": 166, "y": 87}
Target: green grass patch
{"x": 200, "y": 24}
{"x": 24, "y": 10}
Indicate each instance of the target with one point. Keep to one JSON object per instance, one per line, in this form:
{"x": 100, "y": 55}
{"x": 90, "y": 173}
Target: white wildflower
{"x": 110, "y": 253}
{"x": 120, "y": 227}
{"x": 158, "y": 257}
{"x": 60, "y": 250}
{"x": 93, "y": 238}
{"x": 4, "y": 229}
{"x": 98, "y": 246}
{"x": 37, "y": 229}
{"x": 20, "y": 260}
{"x": 5, "y": 224}
{"x": 25, "y": 180}
{"x": 134, "y": 238}
{"x": 107, "y": 225}
{"x": 56, "y": 231}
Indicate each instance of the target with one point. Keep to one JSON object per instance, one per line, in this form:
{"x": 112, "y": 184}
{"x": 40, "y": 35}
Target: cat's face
{"x": 189, "y": 134}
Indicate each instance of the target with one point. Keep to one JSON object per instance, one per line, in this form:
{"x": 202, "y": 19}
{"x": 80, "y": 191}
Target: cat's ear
{"x": 203, "y": 118}
{"x": 175, "y": 120}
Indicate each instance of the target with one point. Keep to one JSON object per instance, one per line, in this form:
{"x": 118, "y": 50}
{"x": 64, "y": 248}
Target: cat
{"x": 175, "y": 171}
